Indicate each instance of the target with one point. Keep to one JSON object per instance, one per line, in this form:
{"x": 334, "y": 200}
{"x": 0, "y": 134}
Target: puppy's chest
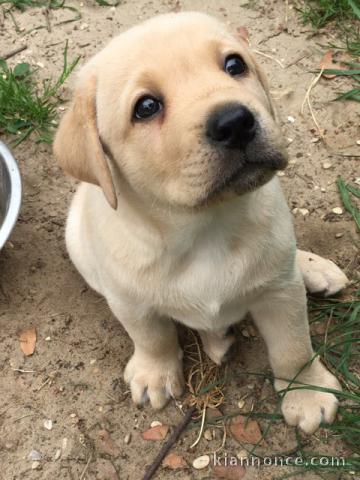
{"x": 208, "y": 288}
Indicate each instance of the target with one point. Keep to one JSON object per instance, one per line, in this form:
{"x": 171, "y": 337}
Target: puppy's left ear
{"x": 242, "y": 34}
{"x": 77, "y": 144}
{"x": 265, "y": 84}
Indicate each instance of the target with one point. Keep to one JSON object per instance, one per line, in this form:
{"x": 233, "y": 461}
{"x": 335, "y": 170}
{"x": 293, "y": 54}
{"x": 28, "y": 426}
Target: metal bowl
{"x": 10, "y": 193}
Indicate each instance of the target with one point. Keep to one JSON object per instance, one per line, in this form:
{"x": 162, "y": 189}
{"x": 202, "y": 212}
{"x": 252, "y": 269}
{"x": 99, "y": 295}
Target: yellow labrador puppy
{"x": 174, "y": 122}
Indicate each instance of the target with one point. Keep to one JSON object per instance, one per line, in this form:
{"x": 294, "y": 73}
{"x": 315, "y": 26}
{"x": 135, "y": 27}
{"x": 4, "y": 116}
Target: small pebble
{"x": 337, "y": 210}
{"x": 241, "y": 403}
{"x": 315, "y": 140}
{"x": 303, "y": 211}
{"x": 127, "y": 438}
{"x": 323, "y": 190}
{"x": 357, "y": 181}
{"x": 155, "y": 423}
{"x": 47, "y": 339}
{"x": 40, "y": 64}
{"x": 327, "y": 165}
{"x": 245, "y": 333}
{"x": 290, "y": 140}
{"x": 201, "y": 462}
{"x": 291, "y": 119}
{"x": 339, "y": 235}
{"x": 242, "y": 454}
{"x": 34, "y": 455}
{"x": 92, "y": 361}
{"x": 48, "y": 424}
{"x": 72, "y": 415}
{"x": 357, "y": 142}
{"x": 280, "y": 174}
{"x": 57, "y": 454}
{"x": 208, "y": 435}
{"x": 35, "y": 465}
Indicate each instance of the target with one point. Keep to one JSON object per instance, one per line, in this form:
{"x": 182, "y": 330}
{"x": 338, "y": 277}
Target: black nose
{"x": 231, "y": 126}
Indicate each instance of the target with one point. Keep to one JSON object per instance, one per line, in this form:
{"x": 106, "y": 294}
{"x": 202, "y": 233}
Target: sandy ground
{"x": 81, "y": 349}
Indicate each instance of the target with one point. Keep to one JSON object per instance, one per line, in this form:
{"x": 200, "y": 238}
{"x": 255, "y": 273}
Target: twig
{"x": 270, "y": 57}
{"x": 43, "y": 385}
{"x": 272, "y": 35}
{"x": 23, "y": 371}
{"x": 85, "y": 468}
{"x": 167, "y": 446}
{"x": 14, "y": 52}
{"x": 307, "y": 100}
{"x": 47, "y": 18}
{"x": 25, "y": 416}
{"x": 201, "y": 428}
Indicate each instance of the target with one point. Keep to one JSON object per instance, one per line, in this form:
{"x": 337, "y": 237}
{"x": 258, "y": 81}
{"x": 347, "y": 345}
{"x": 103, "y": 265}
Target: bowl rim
{"x": 15, "y": 198}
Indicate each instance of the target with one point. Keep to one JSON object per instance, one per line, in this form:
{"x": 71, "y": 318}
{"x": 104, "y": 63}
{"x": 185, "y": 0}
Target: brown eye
{"x": 234, "y": 65}
{"x": 146, "y": 107}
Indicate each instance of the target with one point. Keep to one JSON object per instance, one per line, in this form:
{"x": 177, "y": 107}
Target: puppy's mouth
{"x": 247, "y": 176}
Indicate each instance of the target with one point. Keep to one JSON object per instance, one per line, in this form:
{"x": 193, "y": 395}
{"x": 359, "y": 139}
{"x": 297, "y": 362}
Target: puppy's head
{"x": 175, "y": 110}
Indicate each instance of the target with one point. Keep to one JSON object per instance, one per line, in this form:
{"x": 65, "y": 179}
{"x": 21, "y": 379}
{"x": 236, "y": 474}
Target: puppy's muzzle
{"x": 231, "y": 126}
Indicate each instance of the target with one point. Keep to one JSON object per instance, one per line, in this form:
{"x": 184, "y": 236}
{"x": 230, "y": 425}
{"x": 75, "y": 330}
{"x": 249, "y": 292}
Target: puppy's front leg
{"x": 154, "y": 371}
{"x": 281, "y": 316}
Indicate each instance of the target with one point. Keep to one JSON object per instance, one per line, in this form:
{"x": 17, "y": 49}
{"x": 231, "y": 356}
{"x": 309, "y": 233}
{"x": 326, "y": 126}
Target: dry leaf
{"x": 327, "y": 63}
{"x": 243, "y": 33}
{"x": 174, "y": 461}
{"x": 245, "y": 430}
{"x": 28, "y": 341}
{"x": 230, "y": 472}
{"x": 105, "y": 444}
{"x": 156, "y": 433}
{"x": 212, "y": 413}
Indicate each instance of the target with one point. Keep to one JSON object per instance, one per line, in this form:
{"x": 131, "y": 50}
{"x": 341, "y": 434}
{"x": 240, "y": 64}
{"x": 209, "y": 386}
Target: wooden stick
{"x": 14, "y": 52}
{"x": 167, "y": 446}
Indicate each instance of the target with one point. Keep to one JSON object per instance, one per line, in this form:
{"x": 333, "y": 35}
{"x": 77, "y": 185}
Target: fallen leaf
{"x": 212, "y": 413}
{"x": 105, "y": 444}
{"x": 28, "y": 341}
{"x": 174, "y": 461}
{"x": 245, "y": 430}
{"x": 230, "y": 472}
{"x": 158, "y": 432}
{"x": 243, "y": 33}
{"x": 327, "y": 63}
{"x": 105, "y": 470}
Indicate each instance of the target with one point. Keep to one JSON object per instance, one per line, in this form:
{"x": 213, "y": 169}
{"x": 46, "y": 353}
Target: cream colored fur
{"x": 151, "y": 252}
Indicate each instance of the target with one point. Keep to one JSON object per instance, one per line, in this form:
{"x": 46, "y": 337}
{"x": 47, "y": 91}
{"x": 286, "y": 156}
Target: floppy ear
{"x": 77, "y": 145}
{"x": 265, "y": 84}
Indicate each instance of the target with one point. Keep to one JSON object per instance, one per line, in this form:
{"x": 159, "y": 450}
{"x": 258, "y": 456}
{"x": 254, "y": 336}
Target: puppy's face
{"x": 183, "y": 111}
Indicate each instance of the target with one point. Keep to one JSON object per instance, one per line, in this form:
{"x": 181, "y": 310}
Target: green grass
{"x": 348, "y": 193}
{"x": 345, "y": 15}
{"x": 26, "y": 108}
{"x": 339, "y": 348}
{"x": 320, "y": 12}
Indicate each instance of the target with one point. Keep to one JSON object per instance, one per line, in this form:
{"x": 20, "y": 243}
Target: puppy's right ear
{"x": 77, "y": 144}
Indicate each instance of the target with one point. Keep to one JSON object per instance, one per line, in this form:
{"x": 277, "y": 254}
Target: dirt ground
{"x": 76, "y": 371}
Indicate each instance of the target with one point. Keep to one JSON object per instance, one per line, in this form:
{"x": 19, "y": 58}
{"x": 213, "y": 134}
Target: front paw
{"x": 321, "y": 275}
{"x": 154, "y": 379}
{"x": 308, "y": 408}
